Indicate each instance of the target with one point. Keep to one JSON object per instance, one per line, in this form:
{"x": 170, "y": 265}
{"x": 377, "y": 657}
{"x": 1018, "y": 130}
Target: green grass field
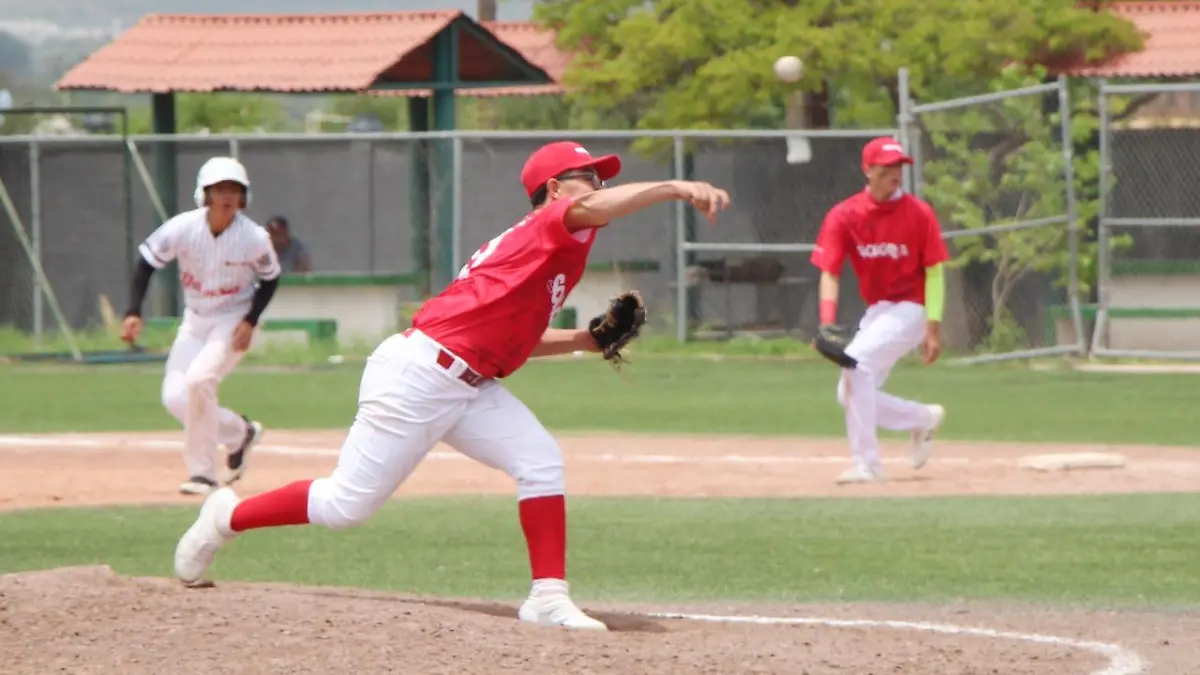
{"x": 1129, "y": 550}
{"x": 1096, "y": 550}
{"x": 655, "y": 394}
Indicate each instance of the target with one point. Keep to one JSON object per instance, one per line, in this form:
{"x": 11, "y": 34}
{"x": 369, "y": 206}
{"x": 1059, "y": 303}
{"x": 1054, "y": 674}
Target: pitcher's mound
{"x": 88, "y": 619}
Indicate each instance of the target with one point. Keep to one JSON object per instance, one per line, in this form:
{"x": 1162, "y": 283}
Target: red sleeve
{"x": 552, "y": 226}
{"x": 831, "y": 248}
{"x": 934, "y": 249}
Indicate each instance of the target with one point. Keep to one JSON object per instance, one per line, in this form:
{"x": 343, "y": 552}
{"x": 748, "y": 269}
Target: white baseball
{"x": 789, "y": 68}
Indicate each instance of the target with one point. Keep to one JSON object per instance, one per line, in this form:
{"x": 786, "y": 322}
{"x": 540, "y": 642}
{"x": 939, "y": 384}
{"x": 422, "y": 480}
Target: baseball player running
{"x": 438, "y": 381}
{"x": 221, "y": 254}
{"x": 895, "y": 246}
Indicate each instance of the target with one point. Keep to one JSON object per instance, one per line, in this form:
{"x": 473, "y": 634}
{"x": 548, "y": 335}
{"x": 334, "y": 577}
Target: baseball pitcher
{"x": 439, "y": 380}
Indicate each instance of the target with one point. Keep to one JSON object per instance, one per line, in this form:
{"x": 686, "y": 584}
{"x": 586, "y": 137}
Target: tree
{"x": 706, "y": 64}
{"x": 542, "y": 113}
{"x": 391, "y": 111}
{"x": 999, "y": 164}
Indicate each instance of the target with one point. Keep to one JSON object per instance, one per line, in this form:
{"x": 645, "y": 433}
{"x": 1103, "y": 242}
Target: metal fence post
{"x": 903, "y": 120}
{"x": 35, "y": 232}
{"x": 371, "y": 224}
{"x": 127, "y": 186}
{"x": 1102, "y": 243}
{"x": 1064, "y": 114}
{"x": 456, "y": 207}
{"x": 681, "y": 290}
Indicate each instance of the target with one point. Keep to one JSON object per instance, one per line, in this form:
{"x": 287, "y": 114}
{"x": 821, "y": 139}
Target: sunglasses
{"x": 590, "y": 176}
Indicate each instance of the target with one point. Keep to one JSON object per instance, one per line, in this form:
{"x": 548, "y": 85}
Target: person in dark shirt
{"x": 293, "y": 255}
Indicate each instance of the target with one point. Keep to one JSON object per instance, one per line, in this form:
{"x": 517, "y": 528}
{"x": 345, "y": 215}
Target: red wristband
{"x": 828, "y": 311}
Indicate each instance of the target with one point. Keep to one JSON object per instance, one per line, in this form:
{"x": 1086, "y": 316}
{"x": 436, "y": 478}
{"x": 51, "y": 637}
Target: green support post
{"x": 131, "y": 255}
{"x": 162, "y": 108}
{"x": 418, "y": 122}
{"x": 445, "y": 74}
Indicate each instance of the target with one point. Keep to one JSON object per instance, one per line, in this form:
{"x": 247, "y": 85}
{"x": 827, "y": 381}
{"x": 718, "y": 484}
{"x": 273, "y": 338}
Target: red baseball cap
{"x": 884, "y": 150}
{"x": 555, "y": 159}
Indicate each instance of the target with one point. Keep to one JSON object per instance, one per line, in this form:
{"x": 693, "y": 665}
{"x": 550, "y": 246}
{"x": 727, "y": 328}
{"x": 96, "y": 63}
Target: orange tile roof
{"x": 1170, "y": 47}
{"x": 285, "y": 52}
{"x": 534, "y": 43}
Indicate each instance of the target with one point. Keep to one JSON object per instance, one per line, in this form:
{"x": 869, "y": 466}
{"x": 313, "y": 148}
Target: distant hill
{"x": 68, "y": 15}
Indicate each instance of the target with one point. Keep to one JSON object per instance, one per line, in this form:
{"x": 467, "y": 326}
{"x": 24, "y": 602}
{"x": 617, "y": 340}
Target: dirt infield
{"x": 92, "y": 620}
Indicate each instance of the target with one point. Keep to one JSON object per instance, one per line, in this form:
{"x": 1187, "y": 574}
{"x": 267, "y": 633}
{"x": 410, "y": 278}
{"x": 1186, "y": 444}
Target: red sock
{"x": 287, "y": 505}
{"x": 544, "y": 521}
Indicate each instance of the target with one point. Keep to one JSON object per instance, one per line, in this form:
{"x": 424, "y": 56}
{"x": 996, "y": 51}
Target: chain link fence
{"x": 751, "y": 272}
{"x": 65, "y": 212}
{"x": 407, "y": 210}
{"x": 997, "y": 170}
{"x": 1149, "y": 234}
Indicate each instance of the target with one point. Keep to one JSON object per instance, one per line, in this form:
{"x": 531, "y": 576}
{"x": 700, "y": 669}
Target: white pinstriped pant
{"x": 199, "y": 360}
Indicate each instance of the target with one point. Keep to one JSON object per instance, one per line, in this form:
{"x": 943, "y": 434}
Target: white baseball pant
{"x": 407, "y": 403}
{"x": 887, "y": 332}
{"x": 200, "y": 358}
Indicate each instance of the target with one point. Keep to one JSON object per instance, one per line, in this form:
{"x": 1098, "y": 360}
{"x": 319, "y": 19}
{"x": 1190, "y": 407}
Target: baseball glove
{"x": 614, "y": 329}
{"x": 831, "y": 343}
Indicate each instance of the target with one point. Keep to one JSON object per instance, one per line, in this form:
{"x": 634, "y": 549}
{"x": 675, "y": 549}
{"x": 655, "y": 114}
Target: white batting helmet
{"x": 217, "y": 170}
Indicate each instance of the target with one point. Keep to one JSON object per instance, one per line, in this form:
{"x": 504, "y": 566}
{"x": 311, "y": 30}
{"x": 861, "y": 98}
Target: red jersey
{"x": 505, "y": 297}
{"x": 889, "y": 243}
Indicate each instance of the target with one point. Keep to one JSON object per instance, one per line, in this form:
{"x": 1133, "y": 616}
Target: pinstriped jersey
{"x": 218, "y": 273}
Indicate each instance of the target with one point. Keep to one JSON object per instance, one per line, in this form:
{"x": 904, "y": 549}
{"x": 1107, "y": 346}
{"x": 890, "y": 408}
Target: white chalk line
{"x": 73, "y": 444}
{"x": 1121, "y": 661}
{"x": 77, "y": 444}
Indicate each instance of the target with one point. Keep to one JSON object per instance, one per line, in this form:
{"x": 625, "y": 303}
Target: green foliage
{"x": 545, "y": 113}
{"x": 708, "y": 64}
{"x": 218, "y": 113}
{"x": 391, "y": 111}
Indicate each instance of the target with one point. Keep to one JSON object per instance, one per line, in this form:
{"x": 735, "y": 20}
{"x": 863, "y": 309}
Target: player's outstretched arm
{"x": 599, "y": 208}
{"x": 557, "y": 341}
{"x": 827, "y": 296}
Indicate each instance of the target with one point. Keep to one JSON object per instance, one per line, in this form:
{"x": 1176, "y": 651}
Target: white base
{"x": 1072, "y": 461}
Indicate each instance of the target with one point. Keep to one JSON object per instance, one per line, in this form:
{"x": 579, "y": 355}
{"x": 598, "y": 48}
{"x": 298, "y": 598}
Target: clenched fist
{"x": 704, "y": 197}
{"x": 241, "y": 336}
{"x": 131, "y": 328}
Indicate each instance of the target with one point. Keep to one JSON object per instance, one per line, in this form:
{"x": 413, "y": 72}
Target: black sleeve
{"x": 137, "y": 290}
{"x": 262, "y": 296}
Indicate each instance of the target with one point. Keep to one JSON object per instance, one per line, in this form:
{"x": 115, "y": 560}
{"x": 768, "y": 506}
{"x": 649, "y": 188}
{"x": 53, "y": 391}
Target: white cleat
{"x": 923, "y": 440}
{"x": 550, "y": 605}
{"x": 860, "y": 473}
{"x": 236, "y": 461}
{"x": 199, "y": 545}
{"x": 197, "y": 485}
